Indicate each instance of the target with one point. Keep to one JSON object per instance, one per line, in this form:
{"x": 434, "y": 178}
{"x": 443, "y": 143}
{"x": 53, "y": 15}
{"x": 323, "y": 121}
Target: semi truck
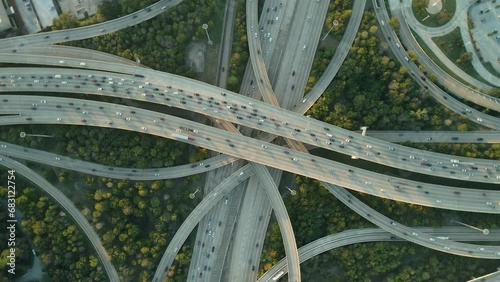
{"x": 278, "y": 276}
{"x": 182, "y": 137}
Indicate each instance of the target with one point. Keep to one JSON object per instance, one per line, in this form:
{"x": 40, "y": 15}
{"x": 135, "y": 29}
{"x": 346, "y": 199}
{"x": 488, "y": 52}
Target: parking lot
{"x": 485, "y": 33}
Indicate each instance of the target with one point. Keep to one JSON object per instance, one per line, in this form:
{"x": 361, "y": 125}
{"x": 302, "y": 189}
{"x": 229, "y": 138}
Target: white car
{"x": 118, "y": 113}
{"x": 264, "y": 146}
{"x": 82, "y": 64}
{"x": 99, "y": 88}
{"x": 144, "y": 128}
{"x": 59, "y": 119}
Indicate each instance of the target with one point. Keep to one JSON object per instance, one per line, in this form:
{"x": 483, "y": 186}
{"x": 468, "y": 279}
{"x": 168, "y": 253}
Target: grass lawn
{"x": 211, "y": 63}
{"x": 492, "y": 70}
{"x": 451, "y": 44}
{"x": 438, "y": 62}
{"x": 433, "y": 20}
{"x": 216, "y": 30}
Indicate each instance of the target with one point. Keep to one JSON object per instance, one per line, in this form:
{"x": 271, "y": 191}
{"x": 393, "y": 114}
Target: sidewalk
{"x": 461, "y": 22}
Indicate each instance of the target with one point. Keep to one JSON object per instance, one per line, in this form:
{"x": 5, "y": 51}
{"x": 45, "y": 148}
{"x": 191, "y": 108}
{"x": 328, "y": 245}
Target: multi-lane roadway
{"x": 356, "y": 236}
{"x": 101, "y": 114}
{"x": 254, "y": 114}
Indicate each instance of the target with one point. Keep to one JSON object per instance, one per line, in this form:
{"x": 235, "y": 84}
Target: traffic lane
{"x": 194, "y": 217}
{"x": 115, "y": 172}
{"x": 412, "y": 190}
{"x": 385, "y": 158}
{"x": 437, "y": 136}
{"x": 70, "y": 209}
{"x": 336, "y": 130}
{"x": 88, "y": 31}
{"x": 364, "y": 235}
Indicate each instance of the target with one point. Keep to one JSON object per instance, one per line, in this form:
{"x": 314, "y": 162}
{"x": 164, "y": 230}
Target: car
{"x": 295, "y": 159}
{"x": 429, "y": 138}
{"x": 480, "y": 139}
{"x": 144, "y": 128}
{"x": 264, "y": 146}
{"x": 454, "y": 138}
{"x": 59, "y": 119}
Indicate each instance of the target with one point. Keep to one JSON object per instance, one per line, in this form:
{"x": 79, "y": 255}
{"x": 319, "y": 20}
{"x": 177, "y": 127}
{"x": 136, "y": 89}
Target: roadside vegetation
{"x": 387, "y": 98}
{"x": 136, "y": 219}
{"x": 160, "y": 43}
{"x": 64, "y": 250}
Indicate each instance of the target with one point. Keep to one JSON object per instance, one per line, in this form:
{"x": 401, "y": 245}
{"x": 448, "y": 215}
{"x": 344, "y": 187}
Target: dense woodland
{"x": 64, "y": 250}
{"x": 121, "y": 211}
{"x": 136, "y": 220}
{"x": 160, "y": 43}
{"x": 387, "y": 99}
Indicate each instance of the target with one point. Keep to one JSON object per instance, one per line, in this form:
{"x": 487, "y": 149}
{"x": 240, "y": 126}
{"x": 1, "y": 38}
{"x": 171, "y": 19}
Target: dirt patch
{"x": 195, "y": 58}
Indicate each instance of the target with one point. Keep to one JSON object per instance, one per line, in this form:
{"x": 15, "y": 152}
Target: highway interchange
{"x": 360, "y": 147}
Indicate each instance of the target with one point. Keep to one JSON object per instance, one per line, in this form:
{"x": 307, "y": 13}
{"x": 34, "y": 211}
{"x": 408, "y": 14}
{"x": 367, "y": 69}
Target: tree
{"x": 464, "y": 59}
{"x": 64, "y": 21}
{"x": 394, "y": 23}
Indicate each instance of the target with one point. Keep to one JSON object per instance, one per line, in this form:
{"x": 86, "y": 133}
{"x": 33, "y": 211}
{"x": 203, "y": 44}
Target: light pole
{"x": 292, "y": 192}
{"x": 23, "y": 135}
{"x": 485, "y": 231}
{"x": 193, "y": 194}
{"x": 205, "y": 27}
{"x": 335, "y": 22}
